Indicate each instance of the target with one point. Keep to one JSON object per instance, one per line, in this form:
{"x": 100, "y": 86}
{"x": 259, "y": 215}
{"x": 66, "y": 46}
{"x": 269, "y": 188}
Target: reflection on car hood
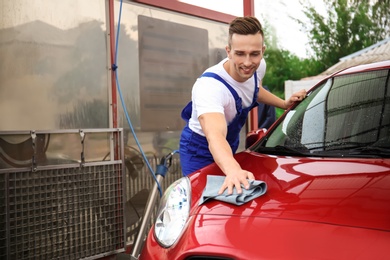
{"x": 343, "y": 192}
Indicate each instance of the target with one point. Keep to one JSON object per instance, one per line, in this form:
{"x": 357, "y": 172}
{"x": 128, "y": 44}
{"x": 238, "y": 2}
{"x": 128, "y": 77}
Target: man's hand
{"x": 297, "y": 96}
{"x": 235, "y": 179}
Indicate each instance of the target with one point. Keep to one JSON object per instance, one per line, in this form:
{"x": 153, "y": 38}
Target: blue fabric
{"x": 214, "y": 183}
{"x": 194, "y": 151}
{"x": 266, "y": 114}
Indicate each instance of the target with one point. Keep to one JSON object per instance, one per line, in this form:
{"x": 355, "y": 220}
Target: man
{"x": 221, "y": 100}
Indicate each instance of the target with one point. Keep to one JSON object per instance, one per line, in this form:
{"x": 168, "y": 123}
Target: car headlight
{"x": 173, "y": 212}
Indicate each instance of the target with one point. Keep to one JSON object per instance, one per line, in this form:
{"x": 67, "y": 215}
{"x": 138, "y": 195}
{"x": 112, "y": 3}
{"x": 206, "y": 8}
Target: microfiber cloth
{"x": 214, "y": 183}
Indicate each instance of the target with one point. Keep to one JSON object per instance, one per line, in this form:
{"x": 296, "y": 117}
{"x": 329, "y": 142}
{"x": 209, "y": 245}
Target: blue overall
{"x": 194, "y": 150}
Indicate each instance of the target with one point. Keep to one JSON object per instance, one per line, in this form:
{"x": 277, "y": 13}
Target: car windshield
{"x": 347, "y": 116}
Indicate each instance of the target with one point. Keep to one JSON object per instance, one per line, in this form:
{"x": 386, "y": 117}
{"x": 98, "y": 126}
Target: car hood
{"x": 342, "y": 192}
{"x": 235, "y": 237}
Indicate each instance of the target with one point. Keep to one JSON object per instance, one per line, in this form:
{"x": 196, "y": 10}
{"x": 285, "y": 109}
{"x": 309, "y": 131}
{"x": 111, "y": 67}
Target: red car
{"x": 326, "y": 164}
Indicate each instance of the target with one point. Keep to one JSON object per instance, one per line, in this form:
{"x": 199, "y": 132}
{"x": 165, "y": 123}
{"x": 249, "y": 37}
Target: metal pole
{"x": 145, "y": 220}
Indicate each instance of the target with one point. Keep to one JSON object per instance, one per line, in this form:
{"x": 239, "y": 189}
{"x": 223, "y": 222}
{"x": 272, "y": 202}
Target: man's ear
{"x": 227, "y": 48}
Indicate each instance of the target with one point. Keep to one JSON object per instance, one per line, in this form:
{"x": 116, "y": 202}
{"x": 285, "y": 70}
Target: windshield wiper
{"x": 374, "y": 151}
{"x": 356, "y": 152}
{"x": 284, "y": 150}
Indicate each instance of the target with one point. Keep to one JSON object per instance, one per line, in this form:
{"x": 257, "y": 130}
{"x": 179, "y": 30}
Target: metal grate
{"x": 69, "y": 211}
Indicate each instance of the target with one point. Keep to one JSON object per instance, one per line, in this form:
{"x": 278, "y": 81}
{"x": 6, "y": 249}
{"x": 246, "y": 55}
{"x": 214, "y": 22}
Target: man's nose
{"x": 247, "y": 60}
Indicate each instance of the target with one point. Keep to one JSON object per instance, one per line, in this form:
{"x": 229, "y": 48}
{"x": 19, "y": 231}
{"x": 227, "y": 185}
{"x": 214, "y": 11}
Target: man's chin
{"x": 246, "y": 76}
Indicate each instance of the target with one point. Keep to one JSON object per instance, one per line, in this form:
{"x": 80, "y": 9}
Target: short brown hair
{"x": 245, "y": 25}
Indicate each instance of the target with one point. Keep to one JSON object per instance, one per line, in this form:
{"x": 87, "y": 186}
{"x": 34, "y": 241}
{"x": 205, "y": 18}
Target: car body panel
{"x": 298, "y": 189}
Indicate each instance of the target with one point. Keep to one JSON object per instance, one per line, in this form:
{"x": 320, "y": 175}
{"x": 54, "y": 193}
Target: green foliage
{"x": 282, "y": 65}
{"x": 347, "y": 27}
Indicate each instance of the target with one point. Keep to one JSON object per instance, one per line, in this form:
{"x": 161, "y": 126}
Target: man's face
{"x": 245, "y": 54}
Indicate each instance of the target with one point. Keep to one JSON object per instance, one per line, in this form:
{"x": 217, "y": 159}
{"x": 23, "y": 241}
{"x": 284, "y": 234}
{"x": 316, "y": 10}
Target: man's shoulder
{"x": 217, "y": 68}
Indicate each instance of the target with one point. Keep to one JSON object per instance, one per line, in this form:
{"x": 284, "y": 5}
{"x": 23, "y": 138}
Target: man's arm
{"x": 268, "y": 98}
{"x": 215, "y": 128}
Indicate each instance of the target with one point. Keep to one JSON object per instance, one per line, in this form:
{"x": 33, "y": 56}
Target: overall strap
{"x": 217, "y": 77}
{"x": 254, "y": 102}
{"x": 234, "y": 93}
{"x": 255, "y": 75}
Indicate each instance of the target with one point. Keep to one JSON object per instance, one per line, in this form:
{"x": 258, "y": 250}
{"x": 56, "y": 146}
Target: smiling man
{"x": 221, "y": 100}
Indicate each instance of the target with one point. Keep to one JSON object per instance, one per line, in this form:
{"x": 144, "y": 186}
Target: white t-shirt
{"x": 210, "y": 95}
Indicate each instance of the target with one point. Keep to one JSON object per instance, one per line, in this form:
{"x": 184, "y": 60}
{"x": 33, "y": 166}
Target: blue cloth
{"x": 214, "y": 183}
{"x": 194, "y": 151}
